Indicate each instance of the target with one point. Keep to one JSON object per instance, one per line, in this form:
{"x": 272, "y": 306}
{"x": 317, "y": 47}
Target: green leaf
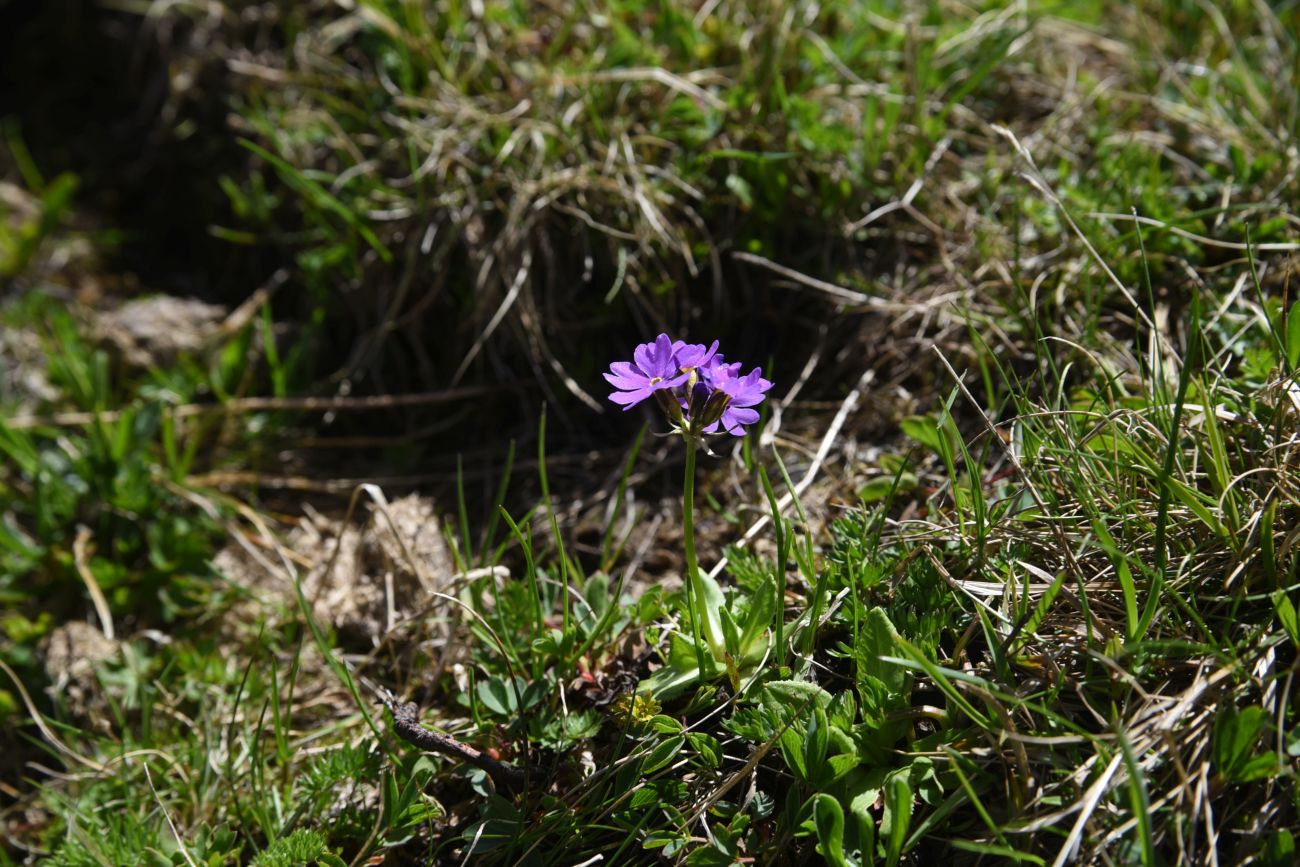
{"x": 644, "y": 798}
{"x": 881, "y": 487}
{"x": 877, "y": 639}
{"x": 495, "y": 695}
{"x": 864, "y": 788}
{"x": 582, "y": 725}
{"x": 815, "y": 743}
{"x": 1197, "y": 502}
{"x": 843, "y": 711}
{"x": 1260, "y": 767}
{"x": 663, "y": 754}
{"x": 753, "y": 634}
{"x": 925, "y": 431}
{"x": 1293, "y": 335}
{"x": 712, "y": 602}
{"x": 1286, "y": 615}
{"x": 669, "y": 681}
{"x": 1122, "y": 571}
{"x": 792, "y": 751}
{"x": 730, "y": 633}
{"x": 708, "y": 856}
{"x": 750, "y": 723}
{"x": 682, "y": 670}
{"x": 1278, "y": 850}
{"x": 670, "y": 841}
{"x": 787, "y": 697}
{"x": 838, "y": 766}
{"x": 828, "y": 816}
{"x": 1236, "y": 732}
{"x": 707, "y": 747}
{"x": 665, "y": 724}
{"x": 897, "y": 818}
{"x": 1041, "y": 610}
{"x": 997, "y": 850}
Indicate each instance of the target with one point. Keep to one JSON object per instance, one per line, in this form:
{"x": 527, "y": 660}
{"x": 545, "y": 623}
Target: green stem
{"x": 550, "y": 512}
{"x": 693, "y": 595}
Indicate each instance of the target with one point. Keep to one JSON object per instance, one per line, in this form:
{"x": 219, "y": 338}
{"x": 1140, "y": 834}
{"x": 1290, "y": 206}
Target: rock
{"x": 154, "y": 331}
{"x": 22, "y": 371}
{"x": 72, "y": 655}
{"x": 419, "y": 532}
{"x": 349, "y": 590}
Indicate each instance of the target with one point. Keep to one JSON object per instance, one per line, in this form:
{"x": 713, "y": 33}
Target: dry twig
{"x": 406, "y": 725}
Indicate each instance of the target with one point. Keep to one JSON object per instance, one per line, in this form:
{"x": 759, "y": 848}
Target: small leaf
{"x": 750, "y": 723}
{"x": 879, "y": 638}
{"x": 838, "y": 766}
{"x": 1260, "y": 767}
{"x": 1235, "y": 734}
{"x": 753, "y": 635}
{"x": 792, "y": 751}
{"x": 708, "y": 856}
{"x": 663, "y": 754}
{"x": 897, "y": 818}
{"x": 815, "y": 743}
{"x": 784, "y": 698}
{"x": 828, "y": 816}
{"x": 644, "y": 797}
{"x": 880, "y": 487}
{"x": 669, "y": 841}
{"x": 1286, "y": 615}
{"x": 842, "y": 711}
{"x": 707, "y": 747}
{"x": 711, "y": 602}
{"x": 496, "y": 696}
{"x": 665, "y": 725}
{"x": 1293, "y": 335}
{"x": 730, "y": 632}
{"x": 925, "y": 431}
{"x": 669, "y": 681}
{"x": 1278, "y": 850}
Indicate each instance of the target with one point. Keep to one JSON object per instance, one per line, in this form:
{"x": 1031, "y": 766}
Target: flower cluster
{"x": 699, "y": 391}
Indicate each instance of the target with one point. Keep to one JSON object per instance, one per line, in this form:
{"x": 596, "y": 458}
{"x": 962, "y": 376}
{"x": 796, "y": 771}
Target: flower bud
{"x": 669, "y": 404}
{"x": 699, "y": 396}
{"x": 714, "y": 407}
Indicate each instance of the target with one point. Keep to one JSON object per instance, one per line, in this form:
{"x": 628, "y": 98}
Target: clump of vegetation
{"x": 1003, "y": 571}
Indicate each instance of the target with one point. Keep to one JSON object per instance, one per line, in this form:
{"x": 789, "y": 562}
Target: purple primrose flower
{"x": 698, "y": 391}
{"x": 743, "y": 393}
{"x": 693, "y": 356}
{"x": 655, "y": 367}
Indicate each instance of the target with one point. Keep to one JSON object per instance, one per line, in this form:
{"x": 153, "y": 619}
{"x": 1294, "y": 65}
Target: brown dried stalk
{"x": 406, "y": 725}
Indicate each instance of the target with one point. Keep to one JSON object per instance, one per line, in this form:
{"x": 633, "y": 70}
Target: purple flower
{"x": 699, "y": 392}
{"x": 693, "y": 356}
{"x": 719, "y": 370}
{"x": 742, "y": 393}
{"x": 655, "y": 367}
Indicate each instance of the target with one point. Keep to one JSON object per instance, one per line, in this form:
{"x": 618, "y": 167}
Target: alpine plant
{"x": 697, "y": 389}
